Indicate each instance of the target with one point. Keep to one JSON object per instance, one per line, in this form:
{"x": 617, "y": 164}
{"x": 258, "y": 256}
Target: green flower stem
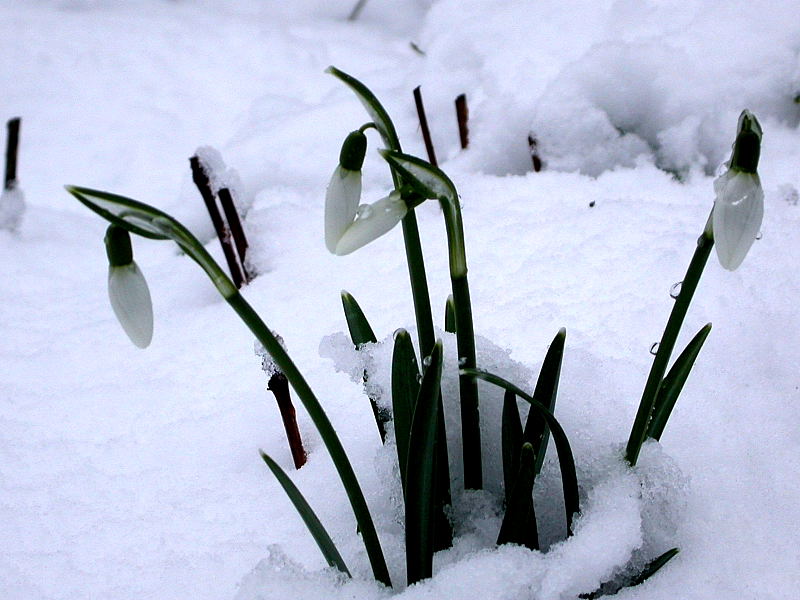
{"x": 468, "y": 385}
{"x": 419, "y": 284}
{"x": 326, "y": 431}
{"x": 665, "y": 347}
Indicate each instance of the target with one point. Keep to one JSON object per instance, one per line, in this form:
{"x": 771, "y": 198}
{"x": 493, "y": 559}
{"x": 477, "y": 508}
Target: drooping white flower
{"x": 127, "y": 288}
{"x": 341, "y": 204}
{"x": 349, "y": 224}
{"x": 738, "y": 211}
{"x": 739, "y": 204}
{"x": 130, "y": 299}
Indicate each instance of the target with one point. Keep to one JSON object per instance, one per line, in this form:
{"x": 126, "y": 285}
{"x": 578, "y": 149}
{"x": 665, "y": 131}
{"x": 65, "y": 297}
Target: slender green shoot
{"x": 569, "y": 478}
{"x": 450, "y": 315}
{"x": 519, "y": 522}
{"x": 361, "y": 333}
{"x": 320, "y": 535}
{"x": 420, "y": 469}
{"x": 511, "y": 440}
{"x": 610, "y": 588}
{"x": 357, "y": 324}
{"x": 405, "y": 389}
{"x": 536, "y": 430}
{"x": 673, "y": 383}
{"x": 432, "y": 182}
{"x": 665, "y": 347}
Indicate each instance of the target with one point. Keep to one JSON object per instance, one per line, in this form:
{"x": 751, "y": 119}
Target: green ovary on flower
{"x": 738, "y": 211}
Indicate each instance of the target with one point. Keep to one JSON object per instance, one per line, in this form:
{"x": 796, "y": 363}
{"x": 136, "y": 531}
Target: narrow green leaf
{"x": 511, "y": 441}
{"x": 405, "y": 389}
{"x": 420, "y": 497}
{"x": 450, "y": 315}
{"x": 361, "y": 333}
{"x": 610, "y": 588}
{"x": 519, "y": 521}
{"x": 672, "y": 385}
{"x": 315, "y": 527}
{"x": 569, "y": 478}
{"x": 357, "y": 324}
{"x": 536, "y": 430}
{"x": 344, "y": 468}
{"x": 654, "y": 566}
{"x": 373, "y": 107}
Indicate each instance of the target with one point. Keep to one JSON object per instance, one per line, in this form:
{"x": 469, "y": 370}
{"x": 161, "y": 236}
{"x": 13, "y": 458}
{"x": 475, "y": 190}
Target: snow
{"x": 135, "y": 474}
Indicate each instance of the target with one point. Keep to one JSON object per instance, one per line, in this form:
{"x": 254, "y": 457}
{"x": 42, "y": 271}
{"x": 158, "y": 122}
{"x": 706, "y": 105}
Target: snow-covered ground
{"x": 135, "y": 474}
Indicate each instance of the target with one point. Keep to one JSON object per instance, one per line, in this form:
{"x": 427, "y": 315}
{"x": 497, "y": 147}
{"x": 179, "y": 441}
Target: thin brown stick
{"x": 462, "y": 114}
{"x": 423, "y": 124}
{"x": 235, "y": 226}
{"x": 223, "y": 233}
{"x": 12, "y": 147}
{"x": 533, "y": 147}
{"x": 279, "y": 386}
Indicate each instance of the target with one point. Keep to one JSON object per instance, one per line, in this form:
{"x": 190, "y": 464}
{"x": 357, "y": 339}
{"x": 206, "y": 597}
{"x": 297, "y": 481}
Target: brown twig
{"x": 279, "y": 386}
{"x": 12, "y": 146}
{"x": 462, "y": 114}
{"x": 533, "y": 147}
{"x": 223, "y": 233}
{"x": 423, "y": 124}
{"x": 235, "y": 226}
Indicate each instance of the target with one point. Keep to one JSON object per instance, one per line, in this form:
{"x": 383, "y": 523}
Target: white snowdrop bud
{"x": 348, "y": 225}
{"x": 127, "y": 288}
{"x": 739, "y": 204}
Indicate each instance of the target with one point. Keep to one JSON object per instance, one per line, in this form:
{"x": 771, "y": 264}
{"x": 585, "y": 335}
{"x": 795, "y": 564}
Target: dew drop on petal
{"x": 654, "y": 348}
{"x": 759, "y": 235}
{"x": 364, "y": 211}
{"x": 675, "y": 290}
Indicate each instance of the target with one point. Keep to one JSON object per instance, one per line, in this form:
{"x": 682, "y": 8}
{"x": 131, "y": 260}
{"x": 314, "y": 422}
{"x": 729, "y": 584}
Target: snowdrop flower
{"x": 739, "y": 204}
{"x": 127, "y": 288}
{"x": 348, "y": 225}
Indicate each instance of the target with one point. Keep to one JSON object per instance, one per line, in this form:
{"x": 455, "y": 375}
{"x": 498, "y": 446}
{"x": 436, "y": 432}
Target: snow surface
{"x": 127, "y": 474}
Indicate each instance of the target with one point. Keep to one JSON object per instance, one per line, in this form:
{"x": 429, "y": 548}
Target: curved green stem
{"x": 326, "y": 431}
{"x": 665, "y": 347}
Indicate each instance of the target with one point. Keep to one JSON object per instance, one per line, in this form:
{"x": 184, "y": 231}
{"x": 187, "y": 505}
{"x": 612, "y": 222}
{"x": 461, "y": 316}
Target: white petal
{"x": 738, "y": 211}
{"x": 130, "y": 299}
{"x": 341, "y": 204}
{"x": 375, "y": 220}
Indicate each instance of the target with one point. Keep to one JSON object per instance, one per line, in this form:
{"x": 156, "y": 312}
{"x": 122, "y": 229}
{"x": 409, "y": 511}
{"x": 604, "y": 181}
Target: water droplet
{"x": 426, "y": 362}
{"x": 462, "y": 361}
{"x": 654, "y": 348}
{"x": 419, "y": 378}
{"x": 759, "y": 235}
{"x": 364, "y": 211}
{"x": 675, "y": 290}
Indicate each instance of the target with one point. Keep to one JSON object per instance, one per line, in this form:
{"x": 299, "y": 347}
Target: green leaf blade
{"x": 420, "y": 469}
{"x": 519, "y": 521}
{"x": 511, "y": 440}
{"x": 312, "y": 522}
{"x": 569, "y": 477}
{"x": 672, "y": 384}
{"x": 360, "y": 330}
{"x": 405, "y": 389}
{"x": 537, "y": 433}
